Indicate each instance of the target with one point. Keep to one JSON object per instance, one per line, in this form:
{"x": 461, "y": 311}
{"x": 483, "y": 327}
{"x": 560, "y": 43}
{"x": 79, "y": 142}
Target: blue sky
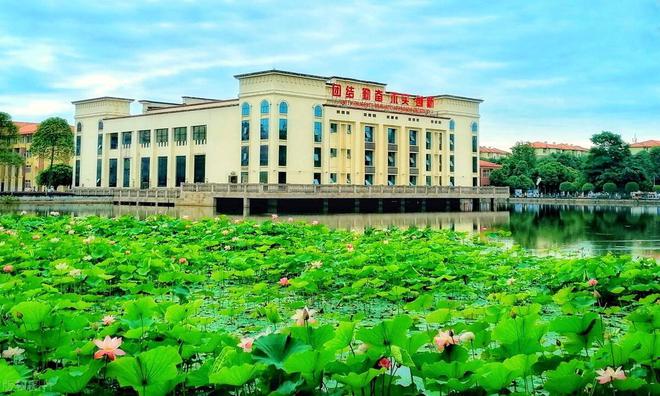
{"x": 548, "y": 70}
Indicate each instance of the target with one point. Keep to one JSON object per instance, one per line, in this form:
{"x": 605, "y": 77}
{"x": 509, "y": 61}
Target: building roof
{"x": 475, "y": 100}
{"x": 26, "y": 128}
{"x": 277, "y": 71}
{"x": 557, "y": 146}
{"x": 101, "y": 98}
{"x": 488, "y": 164}
{"x": 493, "y": 150}
{"x": 646, "y": 144}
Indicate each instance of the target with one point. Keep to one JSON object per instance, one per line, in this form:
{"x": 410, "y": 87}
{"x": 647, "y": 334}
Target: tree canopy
{"x": 8, "y": 136}
{"x": 57, "y": 175}
{"x": 53, "y": 140}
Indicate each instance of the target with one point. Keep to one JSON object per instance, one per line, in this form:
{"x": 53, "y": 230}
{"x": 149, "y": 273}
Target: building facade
{"x": 492, "y": 153}
{"x": 22, "y": 178}
{"x": 543, "y": 149}
{"x": 646, "y": 145}
{"x": 284, "y": 127}
{"x": 486, "y": 167}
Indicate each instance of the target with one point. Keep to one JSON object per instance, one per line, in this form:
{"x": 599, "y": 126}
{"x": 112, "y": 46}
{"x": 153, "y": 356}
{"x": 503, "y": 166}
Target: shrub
{"x": 567, "y": 187}
{"x": 631, "y": 187}
{"x": 62, "y": 176}
{"x": 610, "y": 188}
{"x": 587, "y": 187}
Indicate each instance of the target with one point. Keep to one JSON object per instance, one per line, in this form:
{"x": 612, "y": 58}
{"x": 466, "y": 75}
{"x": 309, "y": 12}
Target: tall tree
{"x": 8, "y": 136}
{"x": 53, "y": 140}
{"x": 516, "y": 170}
{"x": 607, "y": 158}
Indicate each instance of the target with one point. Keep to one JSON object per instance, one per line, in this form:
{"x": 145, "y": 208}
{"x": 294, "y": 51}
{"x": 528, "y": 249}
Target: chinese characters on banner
{"x": 378, "y": 96}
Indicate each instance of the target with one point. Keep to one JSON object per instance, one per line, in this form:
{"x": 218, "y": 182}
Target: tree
{"x": 587, "y": 187}
{"x": 631, "y": 187}
{"x": 55, "y": 176}
{"x": 606, "y": 159}
{"x": 610, "y": 188}
{"x": 520, "y": 182}
{"x": 53, "y": 140}
{"x": 567, "y": 187}
{"x": 8, "y": 136}
{"x": 553, "y": 173}
{"x": 516, "y": 170}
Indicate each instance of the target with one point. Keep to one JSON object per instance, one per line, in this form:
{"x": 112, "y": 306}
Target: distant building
{"x": 486, "y": 168}
{"x": 21, "y": 178}
{"x": 542, "y": 149}
{"x": 646, "y": 145}
{"x": 492, "y": 153}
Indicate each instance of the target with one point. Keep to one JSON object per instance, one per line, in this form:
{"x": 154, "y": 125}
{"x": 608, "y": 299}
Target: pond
{"x": 543, "y": 229}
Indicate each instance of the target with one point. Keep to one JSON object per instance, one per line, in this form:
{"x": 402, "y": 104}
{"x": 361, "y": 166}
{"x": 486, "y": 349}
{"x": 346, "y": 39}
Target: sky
{"x": 556, "y": 71}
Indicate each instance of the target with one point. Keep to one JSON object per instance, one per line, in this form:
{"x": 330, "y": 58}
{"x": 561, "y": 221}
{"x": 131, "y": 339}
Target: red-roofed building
{"x": 485, "y": 167}
{"x": 542, "y": 149}
{"x": 492, "y": 153}
{"x": 646, "y": 145}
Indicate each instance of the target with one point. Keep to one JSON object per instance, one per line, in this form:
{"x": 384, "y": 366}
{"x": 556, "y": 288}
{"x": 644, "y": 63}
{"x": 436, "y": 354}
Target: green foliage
{"x": 57, "y": 175}
{"x": 587, "y": 187}
{"x": 53, "y": 141}
{"x": 631, "y": 187}
{"x": 8, "y": 136}
{"x": 610, "y": 188}
{"x": 187, "y": 326}
{"x": 567, "y": 187}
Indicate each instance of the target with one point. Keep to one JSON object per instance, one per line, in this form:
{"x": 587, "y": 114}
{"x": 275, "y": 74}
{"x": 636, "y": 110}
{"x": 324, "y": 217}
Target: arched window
{"x": 100, "y": 125}
{"x": 78, "y": 127}
{"x": 452, "y": 125}
{"x": 245, "y": 109}
{"x": 475, "y": 127}
{"x": 284, "y": 108}
{"x": 265, "y": 107}
{"x": 318, "y": 111}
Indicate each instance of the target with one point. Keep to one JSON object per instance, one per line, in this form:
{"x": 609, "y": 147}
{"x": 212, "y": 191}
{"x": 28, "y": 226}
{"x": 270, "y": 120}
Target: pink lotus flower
{"x": 510, "y": 281}
{"x": 8, "y": 268}
{"x": 466, "y": 337}
{"x": 385, "y": 363}
{"x": 12, "y": 352}
{"x": 362, "y": 348}
{"x": 444, "y": 339}
{"x": 349, "y": 247}
{"x": 109, "y": 347}
{"x": 592, "y": 282}
{"x": 183, "y": 260}
{"x": 227, "y": 247}
{"x": 274, "y": 217}
{"x": 315, "y": 222}
{"x": 610, "y": 374}
{"x": 284, "y": 282}
{"x": 237, "y": 221}
{"x": 290, "y": 219}
{"x": 225, "y": 232}
{"x": 316, "y": 264}
{"x": 304, "y": 316}
{"x": 127, "y": 252}
{"x": 108, "y": 320}
{"x": 246, "y": 344}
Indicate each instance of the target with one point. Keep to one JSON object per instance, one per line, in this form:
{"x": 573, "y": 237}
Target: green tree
{"x": 567, "y": 187}
{"x": 607, "y": 158}
{"x": 8, "y": 136}
{"x": 631, "y": 187}
{"x": 53, "y": 140}
{"x": 520, "y": 182}
{"x": 55, "y": 176}
{"x": 610, "y": 187}
{"x": 553, "y": 173}
{"x": 517, "y": 169}
{"x": 587, "y": 187}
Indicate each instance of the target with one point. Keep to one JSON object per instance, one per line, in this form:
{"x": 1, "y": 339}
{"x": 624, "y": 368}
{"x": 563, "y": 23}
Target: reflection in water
{"x": 542, "y": 228}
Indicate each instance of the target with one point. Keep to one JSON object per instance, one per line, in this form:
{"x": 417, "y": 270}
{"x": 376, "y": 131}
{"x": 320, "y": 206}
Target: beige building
{"x": 284, "y": 127}
{"x": 542, "y": 149}
{"x": 646, "y": 145}
{"x": 492, "y": 153}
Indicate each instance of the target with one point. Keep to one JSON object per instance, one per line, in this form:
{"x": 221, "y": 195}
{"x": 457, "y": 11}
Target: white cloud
{"x": 34, "y": 107}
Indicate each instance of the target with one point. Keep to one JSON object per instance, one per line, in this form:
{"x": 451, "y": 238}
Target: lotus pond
{"x": 215, "y": 306}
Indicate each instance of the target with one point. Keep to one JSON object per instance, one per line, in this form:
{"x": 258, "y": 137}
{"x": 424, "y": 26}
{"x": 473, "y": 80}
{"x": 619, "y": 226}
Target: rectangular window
{"x": 281, "y": 177}
{"x": 348, "y": 178}
{"x": 368, "y": 158}
{"x": 413, "y": 180}
{"x": 99, "y": 144}
{"x": 451, "y": 163}
{"x": 263, "y": 129}
{"x": 413, "y": 160}
{"x": 199, "y": 175}
{"x": 263, "y": 155}
{"x": 429, "y": 140}
{"x": 99, "y": 165}
{"x": 391, "y": 159}
{"x": 180, "y": 136}
{"x": 162, "y": 137}
{"x": 281, "y": 156}
{"x": 475, "y": 165}
{"x": 428, "y": 162}
{"x": 333, "y": 152}
{"x": 199, "y": 134}
{"x": 245, "y": 130}
{"x": 428, "y": 180}
{"x": 368, "y": 180}
{"x": 451, "y": 142}
{"x": 413, "y": 137}
{"x": 333, "y": 127}
{"x": 451, "y": 181}
{"x": 316, "y": 178}
{"x": 317, "y": 157}
{"x": 76, "y": 181}
{"x": 145, "y": 170}
{"x": 391, "y": 135}
{"x": 475, "y": 144}
{"x": 369, "y": 134}
{"x": 114, "y": 141}
{"x": 126, "y": 139}
{"x": 391, "y": 180}
{"x": 145, "y": 138}
{"x": 245, "y": 155}
{"x": 78, "y": 138}
{"x": 475, "y": 182}
{"x": 283, "y": 128}
{"x": 318, "y": 131}
{"x": 180, "y": 176}
{"x": 244, "y": 177}
{"x": 112, "y": 170}
{"x": 263, "y": 177}
{"x": 333, "y": 178}
{"x": 348, "y": 153}
{"x": 127, "y": 172}
{"x": 162, "y": 171}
